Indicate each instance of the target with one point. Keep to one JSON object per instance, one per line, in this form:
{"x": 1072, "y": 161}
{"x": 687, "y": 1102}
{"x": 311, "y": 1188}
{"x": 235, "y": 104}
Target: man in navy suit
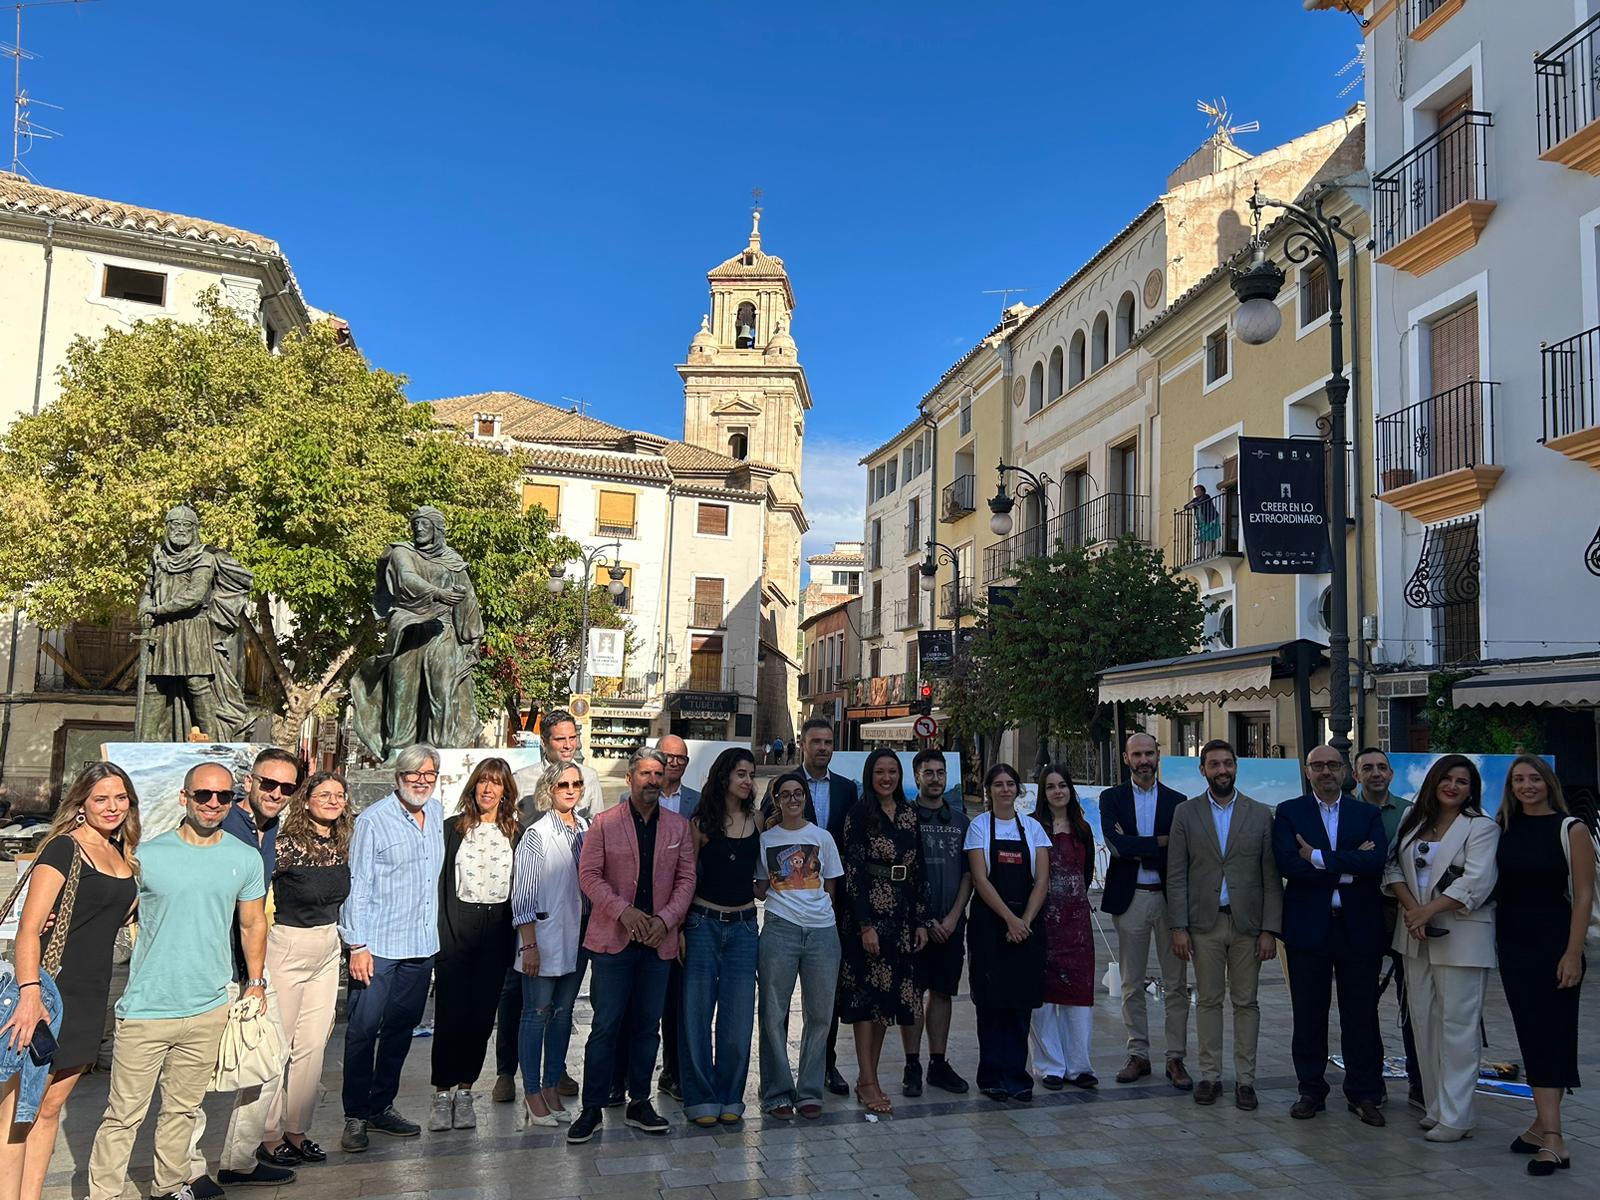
{"x": 1135, "y": 819}
{"x": 1331, "y": 850}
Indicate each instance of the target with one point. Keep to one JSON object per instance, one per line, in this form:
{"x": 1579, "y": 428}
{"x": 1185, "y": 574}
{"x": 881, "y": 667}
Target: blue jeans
{"x": 382, "y": 1015}
{"x": 626, "y": 991}
{"x": 789, "y": 952}
{"x": 546, "y": 1028}
{"x": 719, "y": 981}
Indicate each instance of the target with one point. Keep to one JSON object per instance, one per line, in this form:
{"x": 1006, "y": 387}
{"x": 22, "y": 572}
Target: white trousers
{"x": 1445, "y": 1005}
{"x": 1060, "y": 1036}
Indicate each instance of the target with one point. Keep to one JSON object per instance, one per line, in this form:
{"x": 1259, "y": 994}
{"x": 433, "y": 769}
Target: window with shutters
{"x": 1218, "y": 364}
{"x": 705, "y": 664}
{"x": 543, "y": 495}
{"x": 707, "y": 609}
{"x": 966, "y": 415}
{"x": 616, "y": 515}
{"x": 602, "y": 578}
{"x": 1453, "y": 421}
{"x": 711, "y": 520}
{"x": 1314, "y": 294}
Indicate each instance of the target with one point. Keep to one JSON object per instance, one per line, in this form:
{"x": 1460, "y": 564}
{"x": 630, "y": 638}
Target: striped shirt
{"x": 393, "y": 906}
{"x": 545, "y": 893}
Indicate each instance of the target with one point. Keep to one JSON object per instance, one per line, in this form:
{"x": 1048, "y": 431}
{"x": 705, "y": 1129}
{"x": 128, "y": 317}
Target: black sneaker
{"x": 669, "y": 1085}
{"x": 186, "y": 1192}
{"x": 204, "y": 1188}
{"x": 1054, "y": 1083}
{"x": 641, "y": 1115}
{"x": 354, "y": 1138}
{"x": 942, "y": 1075}
{"x": 911, "y": 1081}
{"x": 836, "y": 1083}
{"x": 585, "y": 1126}
{"x": 617, "y": 1098}
{"x": 391, "y": 1122}
{"x": 261, "y": 1176}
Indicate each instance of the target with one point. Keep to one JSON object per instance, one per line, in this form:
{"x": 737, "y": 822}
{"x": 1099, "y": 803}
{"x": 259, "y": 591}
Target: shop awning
{"x": 1549, "y": 685}
{"x": 1247, "y": 671}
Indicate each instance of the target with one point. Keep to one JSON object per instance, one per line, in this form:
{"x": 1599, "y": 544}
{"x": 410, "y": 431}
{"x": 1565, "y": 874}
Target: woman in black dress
{"x": 1543, "y": 916}
{"x": 98, "y": 823}
{"x": 1010, "y": 858}
{"x": 884, "y": 921}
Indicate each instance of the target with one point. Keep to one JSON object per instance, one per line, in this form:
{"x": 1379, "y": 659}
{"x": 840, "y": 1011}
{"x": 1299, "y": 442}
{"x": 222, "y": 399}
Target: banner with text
{"x": 1284, "y": 505}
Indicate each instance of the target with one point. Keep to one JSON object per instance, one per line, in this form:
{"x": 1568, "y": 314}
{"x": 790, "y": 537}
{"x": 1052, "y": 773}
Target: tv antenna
{"x": 578, "y": 404}
{"x": 1222, "y": 127}
{"x": 1005, "y": 295}
{"x": 24, "y": 129}
{"x": 1357, "y": 64}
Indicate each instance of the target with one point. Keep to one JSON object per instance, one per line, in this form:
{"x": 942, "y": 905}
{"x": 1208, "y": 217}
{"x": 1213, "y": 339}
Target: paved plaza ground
{"x": 1145, "y": 1141}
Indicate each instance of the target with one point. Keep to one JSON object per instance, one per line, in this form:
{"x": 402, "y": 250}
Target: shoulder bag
{"x": 56, "y": 944}
{"x": 251, "y": 1050}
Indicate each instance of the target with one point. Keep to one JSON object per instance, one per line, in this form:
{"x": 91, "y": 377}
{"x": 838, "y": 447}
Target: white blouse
{"x": 483, "y": 866}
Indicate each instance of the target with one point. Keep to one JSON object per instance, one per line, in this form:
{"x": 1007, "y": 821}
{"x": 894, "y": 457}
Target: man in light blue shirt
{"x": 390, "y": 922}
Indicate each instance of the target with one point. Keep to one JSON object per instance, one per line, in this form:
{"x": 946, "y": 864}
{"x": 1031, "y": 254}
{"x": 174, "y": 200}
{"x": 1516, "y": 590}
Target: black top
{"x": 1531, "y": 890}
{"x": 644, "y": 894}
{"x": 727, "y": 868}
{"x": 310, "y": 883}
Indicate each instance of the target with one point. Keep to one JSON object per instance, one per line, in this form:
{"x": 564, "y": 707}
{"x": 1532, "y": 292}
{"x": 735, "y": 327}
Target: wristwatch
{"x": 254, "y": 983}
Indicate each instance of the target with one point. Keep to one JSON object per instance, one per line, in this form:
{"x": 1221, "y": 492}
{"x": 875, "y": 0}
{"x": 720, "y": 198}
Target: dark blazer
{"x": 1308, "y": 891}
{"x": 842, "y": 795}
{"x": 460, "y": 929}
{"x": 1128, "y": 850}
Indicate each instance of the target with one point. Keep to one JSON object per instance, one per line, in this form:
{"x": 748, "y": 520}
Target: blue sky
{"x": 528, "y": 195}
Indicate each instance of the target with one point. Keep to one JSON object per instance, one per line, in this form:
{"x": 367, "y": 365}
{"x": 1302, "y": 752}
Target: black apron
{"x": 1003, "y": 974}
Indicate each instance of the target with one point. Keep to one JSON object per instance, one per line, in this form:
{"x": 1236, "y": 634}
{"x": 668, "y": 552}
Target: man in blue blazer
{"x": 1330, "y": 849}
{"x": 674, "y": 796}
{"x": 1135, "y": 819}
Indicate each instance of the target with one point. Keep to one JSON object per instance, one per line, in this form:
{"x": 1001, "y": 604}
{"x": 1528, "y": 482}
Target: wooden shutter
{"x": 1453, "y": 349}
{"x": 712, "y": 519}
{"x": 616, "y": 511}
{"x": 708, "y": 591}
{"x": 542, "y": 495}
{"x": 1456, "y": 157}
{"x": 1230, "y": 472}
{"x": 1454, "y": 419}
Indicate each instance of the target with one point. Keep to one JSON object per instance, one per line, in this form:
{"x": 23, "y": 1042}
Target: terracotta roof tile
{"x": 565, "y": 460}
{"x": 837, "y": 560}
{"x": 694, "y": 459}
{"x": 531, "y": 420}
{"x": 21, "y": 195}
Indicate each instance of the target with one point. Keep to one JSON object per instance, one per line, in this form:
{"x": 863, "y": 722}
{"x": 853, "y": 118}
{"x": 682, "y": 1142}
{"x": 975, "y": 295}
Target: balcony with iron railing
{"x": 953, "y": 602}
{"x": 1436, "y": 457}
{"x": 1104, "y": 519}
{"x": 1433, "y": 201}
{"x": 1207, "y": 529}
{"x": 1568, "y": 77}
{"x": 872, "y": 623}
{"x": 958, "y": 498}
{"x": 1572, "y": 397}
{"x": 914, "y": 543}
{"x": 615, "y": 529}
{"x": 1422, "y": 18}
{"x": 708, "y": 614}
{"x": 908, "y": 613}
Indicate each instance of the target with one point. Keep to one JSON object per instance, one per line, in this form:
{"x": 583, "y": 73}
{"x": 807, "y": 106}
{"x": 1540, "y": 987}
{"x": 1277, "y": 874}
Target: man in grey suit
{"x": 674, "y": 796}
{"x": 1225, "y": 907}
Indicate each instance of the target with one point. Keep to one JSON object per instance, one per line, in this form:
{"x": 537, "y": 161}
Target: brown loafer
{"x": 1369, "y": 1113}
{"x": 1178, "y": 1076}
{"x": 1306, "y": 1107}
{"x": 1244, "y": 1096}
{"x": 1133, "y": 1069}
{"x": 1207, "y": 1092}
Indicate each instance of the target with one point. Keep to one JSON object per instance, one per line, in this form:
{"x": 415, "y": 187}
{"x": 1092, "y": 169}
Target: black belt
{"x": 1150, "y": 887}
{"x": 895, "y": 873}
{"x": 717, "y": 914}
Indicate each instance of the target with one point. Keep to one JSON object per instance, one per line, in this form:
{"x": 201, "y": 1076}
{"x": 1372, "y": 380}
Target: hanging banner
{"x": 1283, "y": 505}
{"x": 605, "y": 653}
{"x": 935, "y": 649}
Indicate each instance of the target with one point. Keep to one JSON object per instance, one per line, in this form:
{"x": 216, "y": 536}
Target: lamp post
{"x": 1002, "y": 502}
{"x": 938, "y": 553}
{"x": 1312, "y": 232}
{"x": 558, "y": 582}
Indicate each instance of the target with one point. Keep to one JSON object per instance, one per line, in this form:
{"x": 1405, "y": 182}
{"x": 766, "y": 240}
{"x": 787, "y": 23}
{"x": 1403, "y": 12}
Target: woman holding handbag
{"x": 1545, "y": 899}
{"x": 1442, "y": 871}
{"x": 84, "y": 877}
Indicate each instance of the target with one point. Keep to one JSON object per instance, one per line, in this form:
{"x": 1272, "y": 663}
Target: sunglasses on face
{"x": 568, "y": 785}
{"x": 210, "y": 797}
{"x": 263, "y": 784}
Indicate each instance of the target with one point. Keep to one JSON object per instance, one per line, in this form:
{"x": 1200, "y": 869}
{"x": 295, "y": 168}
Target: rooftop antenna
{"x": 1005, "y": 295}
{"x": 1357, "y": 64}
{"x": 579, "y": 405}
{"x": 1222, "y": 127}
{"x": 24, "y": 130}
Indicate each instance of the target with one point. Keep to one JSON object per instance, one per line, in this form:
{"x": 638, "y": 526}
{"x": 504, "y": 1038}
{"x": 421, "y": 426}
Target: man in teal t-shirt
{"x": 193, "y": 881}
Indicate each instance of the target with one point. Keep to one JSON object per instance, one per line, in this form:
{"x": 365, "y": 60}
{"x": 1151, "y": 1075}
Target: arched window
{"x": 1036, "y": 388}
{"x": 1100, "y": 343}
{"x": 1053, "y": 386}
{"x": 1127, "y": 314}
{"x": 739, "y": 443}
{"x": 1075, "y": 360}
{"x": 745, "y": 327}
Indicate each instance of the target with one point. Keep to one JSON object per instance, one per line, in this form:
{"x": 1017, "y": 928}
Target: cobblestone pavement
{"x": 1144, "y": 1141}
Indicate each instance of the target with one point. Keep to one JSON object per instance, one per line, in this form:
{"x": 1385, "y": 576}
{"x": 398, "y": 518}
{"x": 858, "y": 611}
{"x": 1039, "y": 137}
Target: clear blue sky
{"x": 528, "y": 195}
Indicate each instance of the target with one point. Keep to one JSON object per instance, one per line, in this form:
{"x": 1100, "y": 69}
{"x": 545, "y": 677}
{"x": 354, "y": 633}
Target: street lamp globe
{"x": 617, "y": 575}
{"x": 1257, "y": 287}
{"x": 929, "y": 574}
{"x": 1001, "y": 504}
{"x": 556, "y": 582}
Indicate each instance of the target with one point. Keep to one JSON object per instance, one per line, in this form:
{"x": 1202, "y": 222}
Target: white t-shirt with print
{"x": 795, "y": 863}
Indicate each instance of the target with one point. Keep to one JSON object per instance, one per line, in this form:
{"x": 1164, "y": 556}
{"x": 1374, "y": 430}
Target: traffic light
{"x": 925, "y": 699}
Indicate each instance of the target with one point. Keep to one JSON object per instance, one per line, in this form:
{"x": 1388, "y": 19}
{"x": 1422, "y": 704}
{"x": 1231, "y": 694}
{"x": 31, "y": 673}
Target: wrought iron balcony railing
{"x": 957, "y": 499}
{"x": 1449, "y": 168}
{"x": 1206, "y": 529}
{"x": 1568, "y": 76}
{"x": 1571, "y": 384}
{"x": 1433, "y": 437}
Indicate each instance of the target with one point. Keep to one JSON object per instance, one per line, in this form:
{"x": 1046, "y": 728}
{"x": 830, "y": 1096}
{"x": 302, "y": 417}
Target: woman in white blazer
{"x": 1442, "y": 871}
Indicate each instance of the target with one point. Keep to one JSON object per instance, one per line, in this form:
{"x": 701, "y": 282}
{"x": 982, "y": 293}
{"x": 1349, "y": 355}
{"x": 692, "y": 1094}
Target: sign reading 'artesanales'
{"x": 1283, "y": 504}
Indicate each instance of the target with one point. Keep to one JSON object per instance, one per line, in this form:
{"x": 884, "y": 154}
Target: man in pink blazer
{"x": 637, "y": 870}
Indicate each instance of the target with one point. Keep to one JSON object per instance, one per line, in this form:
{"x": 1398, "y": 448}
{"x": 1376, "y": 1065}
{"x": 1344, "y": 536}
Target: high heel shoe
{"x": 531, "y": 1119}
{"x": 1547, "y": 1162}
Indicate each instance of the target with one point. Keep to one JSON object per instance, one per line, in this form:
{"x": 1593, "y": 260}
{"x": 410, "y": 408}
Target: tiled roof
{"x": 697, "y": 459}
{"x": 531, "y": 420}
{"x": 21, "y": 195}
{"x": 646, "y": 468}
{"x": 871, "y": 454}
{"x": 760, "y": 265}
{"x": 837, "y": 560}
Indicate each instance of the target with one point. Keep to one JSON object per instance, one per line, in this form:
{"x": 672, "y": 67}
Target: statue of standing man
{"x": 189, "y": 623}
{"x": 420, "y": 688}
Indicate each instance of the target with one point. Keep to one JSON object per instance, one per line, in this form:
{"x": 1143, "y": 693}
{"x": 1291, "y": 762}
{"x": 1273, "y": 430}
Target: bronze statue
{"x": 420, "y": 688}
{"x": 189, "y": 620}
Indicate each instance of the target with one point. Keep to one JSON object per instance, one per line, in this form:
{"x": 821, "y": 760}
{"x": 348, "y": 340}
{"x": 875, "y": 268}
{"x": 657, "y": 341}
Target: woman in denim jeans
{"x": 719, "y": 945}
{"x": 547, "y": 908}
{"x": 797, "y": 872}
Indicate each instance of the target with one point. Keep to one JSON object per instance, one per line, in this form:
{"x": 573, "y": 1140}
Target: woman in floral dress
{"x": 1063, "y": 1025}
{"x": 885, "y": 919}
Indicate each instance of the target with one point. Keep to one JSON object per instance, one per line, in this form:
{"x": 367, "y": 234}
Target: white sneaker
{"x": 466, "y": 1116}
{"x": 440, "y": 1118}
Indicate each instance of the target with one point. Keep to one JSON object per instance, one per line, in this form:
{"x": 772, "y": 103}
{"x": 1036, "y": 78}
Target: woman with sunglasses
{"x": 1542, "y": 907}
{"x": 1442, "y": 871}
{"x": 547, "y": 907}
{"x": 98, "y": 824}
{"x": 310, "y": 880}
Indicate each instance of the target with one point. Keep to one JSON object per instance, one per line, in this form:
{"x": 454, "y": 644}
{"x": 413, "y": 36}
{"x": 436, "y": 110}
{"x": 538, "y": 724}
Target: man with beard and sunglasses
{"x": 193, "y": 883}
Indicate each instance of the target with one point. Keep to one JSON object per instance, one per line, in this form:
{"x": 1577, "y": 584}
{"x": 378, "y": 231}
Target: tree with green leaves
{"x": 304, "y": 464}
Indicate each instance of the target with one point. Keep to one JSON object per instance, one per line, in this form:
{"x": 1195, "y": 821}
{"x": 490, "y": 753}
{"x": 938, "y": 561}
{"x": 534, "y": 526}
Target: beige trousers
{"x": 1225, "y": 962}
{"x": 304, "y": 967}
{"x": 1144, "y": 922}
{"x": 180, "y": 1054}
{"x": 1446, "y": 1005}
{"x": 250, "y": 1105}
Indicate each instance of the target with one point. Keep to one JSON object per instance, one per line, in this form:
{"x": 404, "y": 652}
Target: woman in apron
{"x": 1010, "y": 858}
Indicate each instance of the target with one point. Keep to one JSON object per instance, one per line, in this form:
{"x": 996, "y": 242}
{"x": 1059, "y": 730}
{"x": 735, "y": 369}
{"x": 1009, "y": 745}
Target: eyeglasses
{"x": 791, "y": 794}
{"x": 420, "y": 776}
{"x": 263, "y": 784}
{"x": 681, "y": 759}
{"x": 211, "y": 797}
{"x": 329, "y": 797}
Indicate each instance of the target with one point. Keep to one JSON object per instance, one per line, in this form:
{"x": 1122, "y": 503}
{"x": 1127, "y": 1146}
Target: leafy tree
{"x": 304, "y": 464}
{"x": 974, "y": 697}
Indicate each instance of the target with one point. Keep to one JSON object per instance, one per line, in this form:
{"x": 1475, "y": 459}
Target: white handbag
{"x": 251, "y": 1052}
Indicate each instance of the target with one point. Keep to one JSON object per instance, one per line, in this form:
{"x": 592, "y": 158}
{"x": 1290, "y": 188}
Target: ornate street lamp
{"x": 1002, "y": 502}
{"x": 938, "y": 553}
{"x": 558, "y": 582}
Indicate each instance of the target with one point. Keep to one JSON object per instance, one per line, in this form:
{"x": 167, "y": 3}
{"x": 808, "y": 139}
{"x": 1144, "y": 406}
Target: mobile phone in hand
{"x": 43, "y": 1046}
